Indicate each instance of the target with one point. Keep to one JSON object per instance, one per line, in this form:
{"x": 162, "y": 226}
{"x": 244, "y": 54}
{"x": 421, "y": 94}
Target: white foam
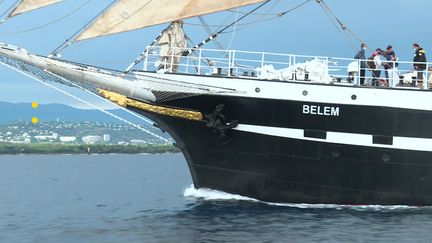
{"x": 215, "y": 195}
{"x": 212, "y": 195}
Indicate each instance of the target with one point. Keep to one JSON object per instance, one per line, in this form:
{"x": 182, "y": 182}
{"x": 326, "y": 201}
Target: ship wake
{"x": 215, "y": 195}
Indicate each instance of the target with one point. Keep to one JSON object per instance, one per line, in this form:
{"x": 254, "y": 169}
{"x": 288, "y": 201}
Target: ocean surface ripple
{"x": 149, "y": 198}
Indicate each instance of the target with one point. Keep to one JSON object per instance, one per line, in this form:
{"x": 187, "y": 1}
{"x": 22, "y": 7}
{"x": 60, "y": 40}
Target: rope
{"x": 8, "y": 10}
{"x": 341, "y": 31}
{"x": 342, "y": 28}
{"x": 210, "y": 31}
{"x": 86, "y": 102}
{"x": 49, "y": 23}
{"x": 275, "y": 16}
{"x": 143, "y": 54}
{"x": 71, "y": 39}
{"x": 234, "y": 31}
{"x": 188, "y": 52}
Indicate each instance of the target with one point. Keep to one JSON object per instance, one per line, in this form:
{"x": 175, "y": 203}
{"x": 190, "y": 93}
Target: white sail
{"x": 128, "y": 15}
{"x": 29, "y": 5}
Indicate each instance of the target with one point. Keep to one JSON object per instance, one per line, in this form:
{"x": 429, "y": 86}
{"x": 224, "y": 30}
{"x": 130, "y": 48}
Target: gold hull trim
{"x": 125, "y": 101}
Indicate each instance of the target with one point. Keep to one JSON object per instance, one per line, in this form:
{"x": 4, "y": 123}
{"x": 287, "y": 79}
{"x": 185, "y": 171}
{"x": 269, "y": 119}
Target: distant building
{"x": 25, "y": 141}
{"x": 92, "y": 139}
{"x": 106, "y": 138}
{"x": 67, "y": 139}
{"x": 137, "y": 142}
{"x": 43, "y": 137}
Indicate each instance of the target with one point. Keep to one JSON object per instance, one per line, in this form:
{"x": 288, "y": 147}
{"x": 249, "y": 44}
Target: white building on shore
{"x": 92, "y": 139}
{"x": 67, "y": 139}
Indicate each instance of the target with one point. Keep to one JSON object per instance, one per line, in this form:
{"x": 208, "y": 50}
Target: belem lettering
{"x": 321, "y": 110}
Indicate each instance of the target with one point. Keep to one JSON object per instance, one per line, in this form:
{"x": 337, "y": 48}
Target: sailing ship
{"x": 275, "y": 127}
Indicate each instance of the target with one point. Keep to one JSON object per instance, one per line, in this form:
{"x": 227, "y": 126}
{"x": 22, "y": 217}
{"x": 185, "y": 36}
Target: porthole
{"x": 353, "y": 97}
{"x": 335, "y": 153}
{"x": 386, "y": 157}
{"x": 305, "y": 93}
{"x": 257, "y": 90}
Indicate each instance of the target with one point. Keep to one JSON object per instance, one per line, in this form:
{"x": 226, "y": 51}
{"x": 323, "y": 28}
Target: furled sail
{"x": 29, "y": 5}
{"x": 172, "y": 42}
{"x": 128, "y": 15}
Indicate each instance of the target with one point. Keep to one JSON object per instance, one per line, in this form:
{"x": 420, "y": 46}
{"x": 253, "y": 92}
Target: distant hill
{"x": 10, "y": 112}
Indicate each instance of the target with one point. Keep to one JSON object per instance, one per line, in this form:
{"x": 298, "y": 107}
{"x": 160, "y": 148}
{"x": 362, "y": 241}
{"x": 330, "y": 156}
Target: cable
{"x": 49, "y": 23}
{"x": 9, "y": 10}
{"x": 342, "y": 28}
{"x": 234, "y": 30}
{"x": 275, "y": 16}
{"x": 68, "y": 41}
{"x": 210, "y": 31}
{"x": 186, "y": 53}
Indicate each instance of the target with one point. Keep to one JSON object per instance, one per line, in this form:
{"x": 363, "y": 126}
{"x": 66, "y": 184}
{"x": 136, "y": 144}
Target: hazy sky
{"x": 304, "y": 31}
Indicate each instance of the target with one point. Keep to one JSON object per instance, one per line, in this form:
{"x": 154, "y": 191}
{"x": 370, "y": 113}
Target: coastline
{"x": 36, "y": 149}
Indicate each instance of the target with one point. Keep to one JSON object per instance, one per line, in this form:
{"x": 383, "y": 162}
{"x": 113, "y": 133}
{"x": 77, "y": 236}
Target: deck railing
{"x": 286, "y": 67}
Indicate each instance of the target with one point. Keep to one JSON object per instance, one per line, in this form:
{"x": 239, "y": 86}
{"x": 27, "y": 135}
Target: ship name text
{"x": 321, "y": 110}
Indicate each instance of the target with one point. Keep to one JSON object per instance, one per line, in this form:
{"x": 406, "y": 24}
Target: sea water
{"x": 149, "y": 198}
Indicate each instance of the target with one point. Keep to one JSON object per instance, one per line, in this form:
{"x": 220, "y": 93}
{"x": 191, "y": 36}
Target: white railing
{"x": 285, "y": 67}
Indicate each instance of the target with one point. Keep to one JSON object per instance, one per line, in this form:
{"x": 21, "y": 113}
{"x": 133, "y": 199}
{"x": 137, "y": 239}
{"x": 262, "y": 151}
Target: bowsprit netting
{"x": 136, "y": 85}
{"x": 34, "y": 77}
{"x": 43, "y": 75}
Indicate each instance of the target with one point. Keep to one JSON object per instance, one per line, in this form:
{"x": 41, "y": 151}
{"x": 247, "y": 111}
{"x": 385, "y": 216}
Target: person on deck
{"x": 361, "y": 55}
{"x": 390, "y": 67}
{"x": 419, "y": 63}
{"x": 376, "y": 72}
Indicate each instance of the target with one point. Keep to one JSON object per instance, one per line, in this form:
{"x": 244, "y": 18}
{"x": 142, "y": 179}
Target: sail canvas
{"x": 128, "y": 15}
{"x": 29, "y": 5}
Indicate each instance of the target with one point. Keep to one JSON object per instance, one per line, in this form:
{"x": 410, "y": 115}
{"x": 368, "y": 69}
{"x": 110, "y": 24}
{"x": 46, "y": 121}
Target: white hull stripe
{"x": 407, "y": 143}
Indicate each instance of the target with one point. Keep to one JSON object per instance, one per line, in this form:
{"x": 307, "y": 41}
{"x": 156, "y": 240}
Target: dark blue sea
{"x": 149, "y": 198}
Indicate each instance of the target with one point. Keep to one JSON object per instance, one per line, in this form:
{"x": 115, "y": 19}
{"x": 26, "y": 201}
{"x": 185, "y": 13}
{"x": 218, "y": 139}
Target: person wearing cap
{"x": 376, "y": 72}
{"x": 361, "y": 55}
{"x": 391, "y": 66}
{"x": 419, "y": 63}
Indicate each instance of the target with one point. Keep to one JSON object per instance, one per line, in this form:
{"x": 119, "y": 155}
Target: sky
{"x": 306, "y": 31}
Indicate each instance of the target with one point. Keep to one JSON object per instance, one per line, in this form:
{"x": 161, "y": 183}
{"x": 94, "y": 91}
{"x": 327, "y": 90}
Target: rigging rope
{"x": 275, "y": 16}
{"x": 211, "y": 37}
{"x": 234, "y": 30}
{"x": 71, "y": 39}
{"x": 49, "y": 23}
{"x": 88, "y": 103}
{"x": 210, "y": 31}
{"x": 341, "y": 31}
{"x": 142, "y": 55}
{"x": 342, "y": 28}
{"x": 8, "y": 11}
